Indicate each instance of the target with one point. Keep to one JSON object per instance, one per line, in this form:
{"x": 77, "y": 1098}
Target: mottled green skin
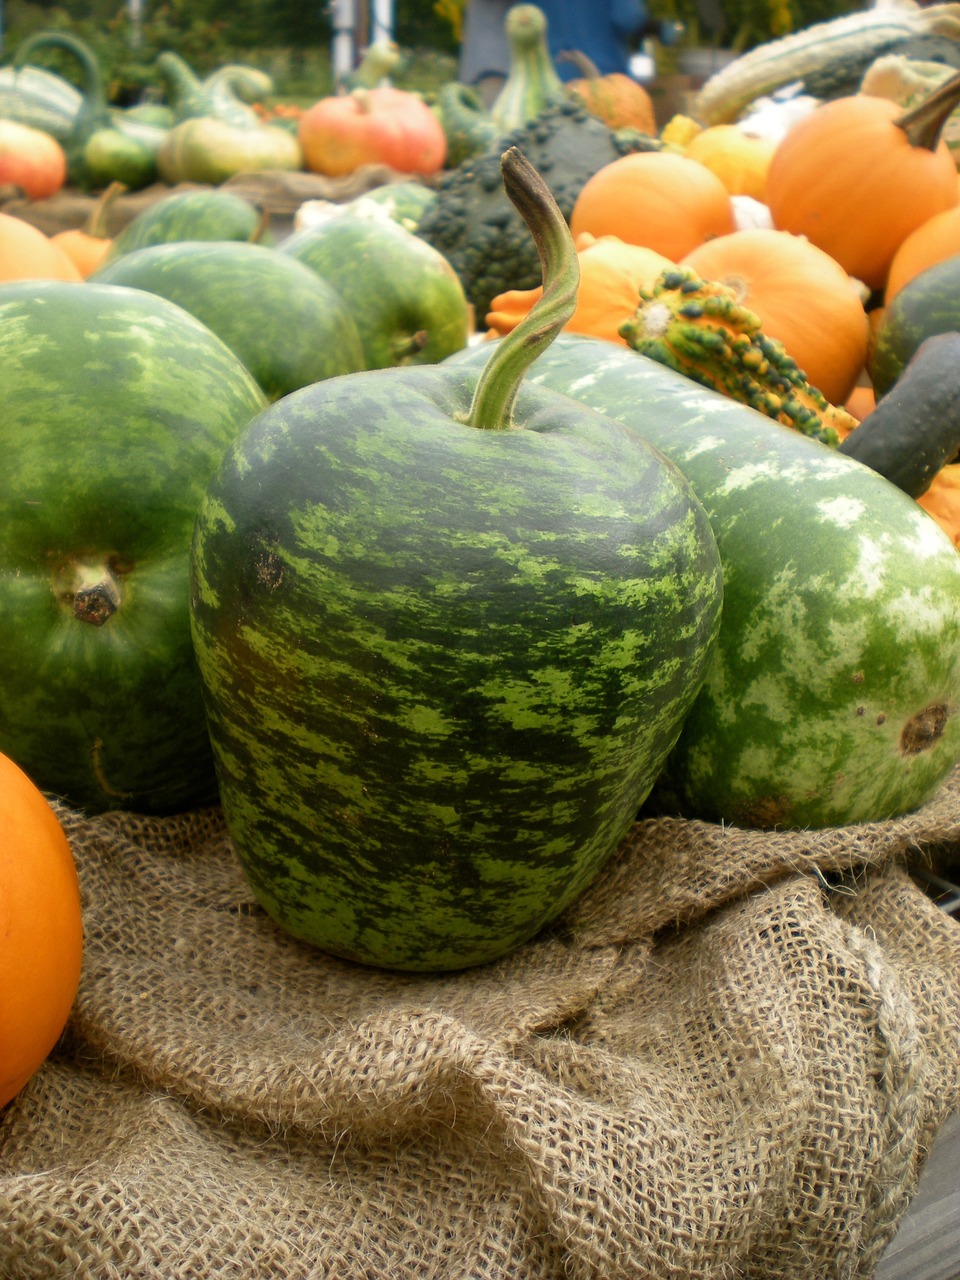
{"x": 443, "y": 664}
{"x": 395, "y": 286}
{"x": 841, "y": 618}
{"x": 282, "y": 320}
{"x": 115, "y": 409}
{"x": 189, "y": 215}
{"x": 926, "y": 305}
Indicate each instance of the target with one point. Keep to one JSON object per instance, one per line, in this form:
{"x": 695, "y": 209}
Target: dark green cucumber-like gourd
{"x": 283, "y": 321}
{"x": 191, "y": 215}
{"x": 914, "y": 431}
{"x": 926, "y": 305}
{"x": 449, "y": 629}
{"x": 97, "y": 151}
{"x": 833, "y": 695}
{"x": 115, "y": 409}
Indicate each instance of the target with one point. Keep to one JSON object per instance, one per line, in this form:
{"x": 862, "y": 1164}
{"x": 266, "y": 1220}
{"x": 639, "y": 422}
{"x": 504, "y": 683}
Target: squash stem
{"x": 923, "y": 123}
{"x": 496, "y": 391}
{"x": 97, "y": 222}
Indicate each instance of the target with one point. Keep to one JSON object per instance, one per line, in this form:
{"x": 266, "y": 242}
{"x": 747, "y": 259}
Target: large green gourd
{"x": 833, "y": 695}
{"x": 115, "y": 409}
{"x": 449, "y": 629}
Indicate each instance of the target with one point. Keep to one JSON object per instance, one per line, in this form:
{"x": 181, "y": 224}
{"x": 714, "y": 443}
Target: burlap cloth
{"x": 729, "y": 1060}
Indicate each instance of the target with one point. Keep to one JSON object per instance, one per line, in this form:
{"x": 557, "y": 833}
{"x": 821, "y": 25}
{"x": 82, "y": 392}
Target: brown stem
{"x": 923, "y": 123}
{"x": 92, "y": 592}
{"x": 97, "y": 222}
{"x": 584, "y": 64}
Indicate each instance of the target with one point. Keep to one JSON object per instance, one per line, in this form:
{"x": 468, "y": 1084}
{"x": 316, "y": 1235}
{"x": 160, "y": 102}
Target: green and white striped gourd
{"x": 532, "y": 82}
{"x": 818, "y": 52}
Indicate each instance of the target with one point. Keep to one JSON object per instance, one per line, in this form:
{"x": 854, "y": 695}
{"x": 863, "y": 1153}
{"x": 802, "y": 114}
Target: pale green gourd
{"x": 532, "y": 82}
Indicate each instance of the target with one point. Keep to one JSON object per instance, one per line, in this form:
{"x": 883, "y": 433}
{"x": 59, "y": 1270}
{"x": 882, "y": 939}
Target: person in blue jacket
{"x": 607, "y": 31}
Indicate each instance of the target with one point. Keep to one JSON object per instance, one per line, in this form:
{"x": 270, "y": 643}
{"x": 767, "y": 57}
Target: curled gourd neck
{"x": 499, "y": 383}
{"x": 923, "y": 123}
{"x": 92, "y": 87}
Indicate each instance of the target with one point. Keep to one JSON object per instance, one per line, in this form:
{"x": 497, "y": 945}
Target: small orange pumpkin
{"x": 385, "y": 125}
{"x": 858, "y": 174}
{"x": 87, "y": 247}
{"x": 26, "y": 253}
{"x": 860, "y": 401}
{"x": 31, "y": 160}
{"x": 41, "y": 929}
{"x": 802, "y": 296}
{"x": 617, "y": 99}
{"x": 933, "y": 241}
{"x": 656, "y": 199}
{"x": 612, "y": 274}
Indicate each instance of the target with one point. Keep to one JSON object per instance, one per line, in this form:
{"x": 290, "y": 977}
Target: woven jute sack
{"x": 729, "y": 1059}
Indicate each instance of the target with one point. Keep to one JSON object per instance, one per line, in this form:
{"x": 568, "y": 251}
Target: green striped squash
{"x": 927, "y": 305}
{"x": 115, "y": 409}
{"x": 286, "y": 324}
{"x": 443, "y": 664}
{"x": 833, "y": 695}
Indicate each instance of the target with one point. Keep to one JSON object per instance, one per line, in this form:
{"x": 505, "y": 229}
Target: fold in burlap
{"x": 729, "y": 1059}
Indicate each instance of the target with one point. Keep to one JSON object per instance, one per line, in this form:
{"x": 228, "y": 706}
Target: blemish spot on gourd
{"x": 924, "y": 730}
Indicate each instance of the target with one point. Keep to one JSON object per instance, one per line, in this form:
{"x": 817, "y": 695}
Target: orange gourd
{"x": 31, "y": 160}
{"x": 27, "y": 254}
{"x": 657, "y": 199}
{"x": 612, "y": 274}
{"x": 87, "y": 247}
{"x": 802, "y": 296}
{"x": 739, "y": 159}
{"x": 858, "y": 175}
{"x": 617, "y": 99}
{"x": 933, "y": 241}
{"x": 860, "y": 401}
{"x": 339, "y": 134}
{"x": 41, "y": 929}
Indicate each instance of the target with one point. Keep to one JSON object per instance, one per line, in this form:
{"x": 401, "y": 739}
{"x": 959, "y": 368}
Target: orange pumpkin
{"x": 41, "y": 929}
{"x": 933, "y": 241}
{"x": 31, "y": 160}
{"x": 612, "y": 274}
{"x": 87, "y": 247}
{"x": 617, "y": 99}
{"x": 858, "y": 174}
{"x": 860, "y": 401}
{"x": 657, "y": 199}
{"x": 27, "y": 254}
{"x": 388, "y": 126}
{"x": 740, "y": 160}
{"x": 802, "y": 296}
